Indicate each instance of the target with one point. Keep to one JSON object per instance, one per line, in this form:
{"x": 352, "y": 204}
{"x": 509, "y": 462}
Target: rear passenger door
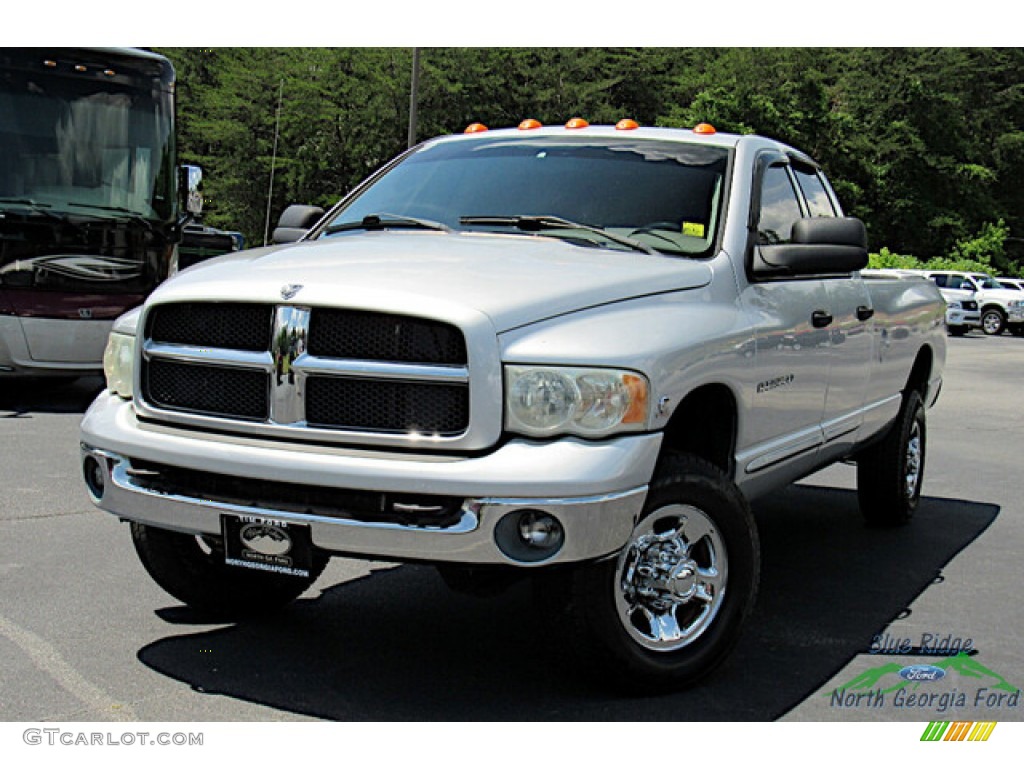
{"x": 851, "y": 330}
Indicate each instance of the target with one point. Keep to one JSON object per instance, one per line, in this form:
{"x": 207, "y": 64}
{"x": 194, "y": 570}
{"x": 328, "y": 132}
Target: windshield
{"x": 987, "y": 283}
{"x": 661, "y": 193}
{"x": 86, "y": 138}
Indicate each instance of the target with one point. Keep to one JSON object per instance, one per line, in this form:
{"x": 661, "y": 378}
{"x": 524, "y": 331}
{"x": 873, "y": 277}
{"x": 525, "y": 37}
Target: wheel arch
{"x": 704, "y": 424}
{"x": 920, "y": 373}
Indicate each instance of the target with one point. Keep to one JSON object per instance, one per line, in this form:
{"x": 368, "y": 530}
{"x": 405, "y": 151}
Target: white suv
{"x": 962, "y": 313}
{"x": 1000, "y": 307}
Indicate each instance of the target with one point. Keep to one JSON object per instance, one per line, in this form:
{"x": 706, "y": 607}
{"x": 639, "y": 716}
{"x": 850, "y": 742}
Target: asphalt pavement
{"x": 843, "y": 611}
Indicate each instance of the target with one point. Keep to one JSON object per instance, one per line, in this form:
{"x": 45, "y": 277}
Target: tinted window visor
{"x": 666, "y": 195}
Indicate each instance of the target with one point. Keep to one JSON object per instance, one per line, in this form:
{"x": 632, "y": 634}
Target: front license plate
{"x": 267, "y": 545}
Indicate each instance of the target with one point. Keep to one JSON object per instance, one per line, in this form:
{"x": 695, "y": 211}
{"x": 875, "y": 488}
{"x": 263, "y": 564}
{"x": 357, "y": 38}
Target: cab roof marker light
{"x": 704, "y": 129}
{"x": 530, "y": 124}
{"x": 627, "y": 125}
{"x": 49, "y": 63}
{"x": 576, "y": 123}
{"x": 475, "y": 128}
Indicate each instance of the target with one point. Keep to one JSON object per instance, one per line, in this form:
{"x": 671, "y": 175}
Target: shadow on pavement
{"x": 20, "y": 398}
{"x": 399, "y": 646}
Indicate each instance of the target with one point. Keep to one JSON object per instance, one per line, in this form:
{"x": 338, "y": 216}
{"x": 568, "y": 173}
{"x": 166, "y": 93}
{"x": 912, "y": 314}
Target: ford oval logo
{"x": 265, "y": 539}
{"x": 922, "y": 673}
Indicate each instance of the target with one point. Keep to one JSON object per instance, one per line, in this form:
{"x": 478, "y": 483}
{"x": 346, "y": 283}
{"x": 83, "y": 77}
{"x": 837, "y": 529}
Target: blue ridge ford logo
{"x": 922, "y": 673}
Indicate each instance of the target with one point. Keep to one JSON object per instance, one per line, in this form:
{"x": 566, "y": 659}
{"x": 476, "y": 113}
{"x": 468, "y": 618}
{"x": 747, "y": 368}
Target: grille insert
{"x": 387, "y": 406}
{"x": 207, "y": 389}
{"x": 384, "y": 337}
{"x": 245, "y": 327}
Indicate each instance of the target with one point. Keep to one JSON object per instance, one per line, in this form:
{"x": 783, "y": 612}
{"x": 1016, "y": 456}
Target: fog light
{"x": 529, "y": 535}
{"x": 539, "y": 530}
{"x": 95, "y": 477}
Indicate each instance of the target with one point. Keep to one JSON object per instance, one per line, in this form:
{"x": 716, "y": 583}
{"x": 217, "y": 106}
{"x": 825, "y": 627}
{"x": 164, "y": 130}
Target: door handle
{"x": 821, "y": 319}
{"x": 864, "y": 313}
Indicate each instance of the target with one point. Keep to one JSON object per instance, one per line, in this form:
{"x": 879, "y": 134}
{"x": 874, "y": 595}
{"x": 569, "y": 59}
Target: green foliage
{"x": 924, "y": 144}
{"x": 886, "y": 259}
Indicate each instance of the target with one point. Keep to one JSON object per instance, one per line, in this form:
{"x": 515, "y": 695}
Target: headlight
{"x": 118, "y": 364}
{"x": 955, "y": 305}
{"x": 1016, "y": 304}
{"x": 591, "y": 402}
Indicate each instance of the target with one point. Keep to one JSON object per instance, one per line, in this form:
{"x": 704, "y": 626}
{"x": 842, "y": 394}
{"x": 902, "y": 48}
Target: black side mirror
{"x": 295, "y": 222}
{"x": 823, "y": 245}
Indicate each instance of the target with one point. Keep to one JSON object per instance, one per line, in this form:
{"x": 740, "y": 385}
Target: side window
{"x": 818, "y": 201}
{"x": 956, "y": 282}
{"x": 780, "y": 207}
{"x": 940, "y": 280}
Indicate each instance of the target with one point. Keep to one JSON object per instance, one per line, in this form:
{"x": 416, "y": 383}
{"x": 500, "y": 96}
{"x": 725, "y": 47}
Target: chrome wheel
{"x": 992, "y": 323}
{"x": 671, "y": 578}
{"x": 912, "y": 462}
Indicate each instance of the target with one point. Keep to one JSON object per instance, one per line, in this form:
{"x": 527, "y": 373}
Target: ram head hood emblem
{"x": 288, "y": 291}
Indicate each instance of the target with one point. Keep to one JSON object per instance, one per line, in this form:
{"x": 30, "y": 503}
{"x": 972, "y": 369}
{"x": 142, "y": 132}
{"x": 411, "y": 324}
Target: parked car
{"x": 962, "y": 314}
{"x": 1001, "y": 308}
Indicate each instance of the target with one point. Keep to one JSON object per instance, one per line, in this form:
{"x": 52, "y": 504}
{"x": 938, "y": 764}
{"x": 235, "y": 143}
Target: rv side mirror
{"x": 295, "y": 222}
{"x": 190, "y": 178}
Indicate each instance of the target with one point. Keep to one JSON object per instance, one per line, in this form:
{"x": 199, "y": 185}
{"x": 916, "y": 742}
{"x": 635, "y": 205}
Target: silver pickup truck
{"x": 575, "y": 353}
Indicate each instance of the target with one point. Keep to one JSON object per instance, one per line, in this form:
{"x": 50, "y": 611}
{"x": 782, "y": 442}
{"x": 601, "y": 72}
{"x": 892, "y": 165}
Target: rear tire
{"x": 890, "y": 473}
{"x": 192, "y": 569}
{"x": 670, "y": 607}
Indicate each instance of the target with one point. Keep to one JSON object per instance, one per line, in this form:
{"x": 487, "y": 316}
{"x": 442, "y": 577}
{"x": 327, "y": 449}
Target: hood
{"x": 514, "y": 280}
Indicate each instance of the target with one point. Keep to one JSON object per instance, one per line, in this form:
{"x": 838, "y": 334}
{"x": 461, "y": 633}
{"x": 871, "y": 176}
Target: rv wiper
{"x": 540, "y": 223}
{"x": 25, "y": 201}
{"x": 126, "y": 213}
{"x": 35, "y": 205}
{"x": 378, "y": 221}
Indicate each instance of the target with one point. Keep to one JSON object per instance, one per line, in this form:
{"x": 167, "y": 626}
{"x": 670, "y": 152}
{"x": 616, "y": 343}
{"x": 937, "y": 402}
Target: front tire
{"x": 670, "y": 608}
{"x": 890, "y": 473}
{"x": 992, "y": 322}
{"x": 192, "y": 569}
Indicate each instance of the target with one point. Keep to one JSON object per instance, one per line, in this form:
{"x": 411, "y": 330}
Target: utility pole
{"x": 414, "y": 95}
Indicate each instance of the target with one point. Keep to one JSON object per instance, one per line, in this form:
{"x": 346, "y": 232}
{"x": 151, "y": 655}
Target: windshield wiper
{"x": 127, "y": 213}
{"x": 44, "y": 208}
{"x": 377, "y": 221}
{"x": 540, "y": 223}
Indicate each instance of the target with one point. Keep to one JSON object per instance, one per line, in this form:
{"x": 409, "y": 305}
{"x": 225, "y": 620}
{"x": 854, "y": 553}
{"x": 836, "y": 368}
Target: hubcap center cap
{"x": 682, "y": 580}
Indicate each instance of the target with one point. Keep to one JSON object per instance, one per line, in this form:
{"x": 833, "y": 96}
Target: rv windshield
{"x": 85, "y": 141}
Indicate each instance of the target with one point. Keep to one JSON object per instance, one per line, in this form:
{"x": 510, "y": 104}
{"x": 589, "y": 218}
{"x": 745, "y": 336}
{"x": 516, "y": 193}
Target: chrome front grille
{"x": 307, "y": 368}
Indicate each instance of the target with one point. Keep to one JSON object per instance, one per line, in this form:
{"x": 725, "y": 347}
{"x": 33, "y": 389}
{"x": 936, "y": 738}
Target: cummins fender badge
{"x": 288, "y": 291}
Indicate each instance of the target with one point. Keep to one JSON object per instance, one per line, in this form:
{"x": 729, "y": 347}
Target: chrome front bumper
{"x": 594, "y": 490}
